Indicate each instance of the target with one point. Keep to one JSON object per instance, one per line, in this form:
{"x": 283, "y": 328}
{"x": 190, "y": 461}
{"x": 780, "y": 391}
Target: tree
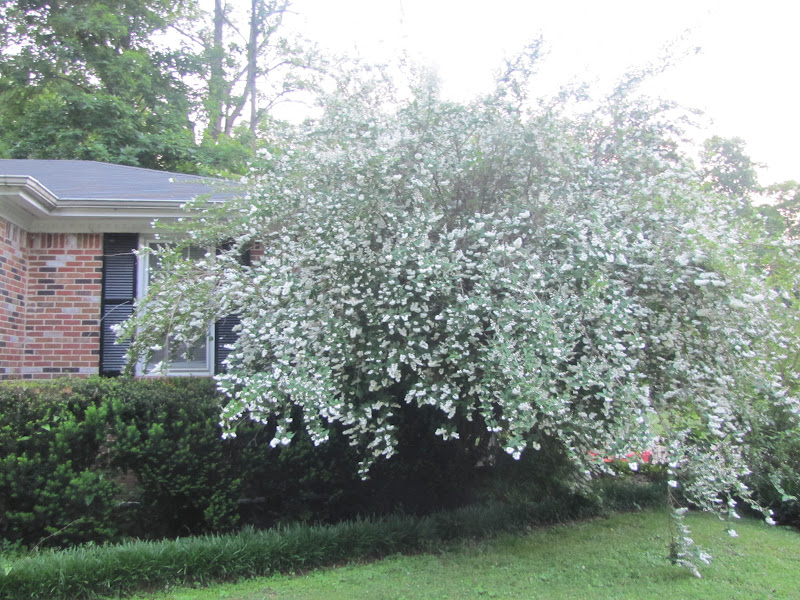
{"x": 542, "y": 273}
{"x": 103, "y": 81}
{"x": 727, "y": 168}
{"x": 84, "y": 79}
{"x": 252, "y": 67}
{"x": 785, "y": 198}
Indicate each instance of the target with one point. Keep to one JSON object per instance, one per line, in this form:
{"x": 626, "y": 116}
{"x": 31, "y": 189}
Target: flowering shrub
{"x": 534, "y": 271}
{"x": 630, "y": 457}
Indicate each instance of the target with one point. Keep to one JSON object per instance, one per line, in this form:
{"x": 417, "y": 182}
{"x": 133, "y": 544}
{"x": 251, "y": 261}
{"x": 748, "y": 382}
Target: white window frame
{"x": 142, "y": 283}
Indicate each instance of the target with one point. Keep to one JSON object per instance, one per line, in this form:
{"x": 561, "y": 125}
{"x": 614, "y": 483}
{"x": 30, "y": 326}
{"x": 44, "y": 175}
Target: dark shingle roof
{"x": 89, "y": 180}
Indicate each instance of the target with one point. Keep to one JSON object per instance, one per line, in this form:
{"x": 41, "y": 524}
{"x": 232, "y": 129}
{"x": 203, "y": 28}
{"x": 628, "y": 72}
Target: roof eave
{"x": 30, "y": 205}
{"x": 23, "y": 200}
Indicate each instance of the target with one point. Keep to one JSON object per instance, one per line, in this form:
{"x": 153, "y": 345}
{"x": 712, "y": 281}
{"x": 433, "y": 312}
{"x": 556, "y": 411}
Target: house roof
{"x": 86, "y": 196}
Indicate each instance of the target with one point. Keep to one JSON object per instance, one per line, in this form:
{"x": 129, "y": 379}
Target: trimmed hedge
{"x": 68, "y": 448}
{"x": 67, "y": 445}
{"x": 102, "y": 460}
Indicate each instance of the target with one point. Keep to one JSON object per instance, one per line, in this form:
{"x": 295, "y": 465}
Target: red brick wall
{"x": 62, "y": 321}
{"x": 50, "y": 300}
{"x": 13, "y": 283}
{"x": 256, "y": 252}
{"x": 50, "y": 286}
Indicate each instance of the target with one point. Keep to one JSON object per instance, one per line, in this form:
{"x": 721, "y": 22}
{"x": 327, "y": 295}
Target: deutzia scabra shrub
{"x": 535, "y": 271}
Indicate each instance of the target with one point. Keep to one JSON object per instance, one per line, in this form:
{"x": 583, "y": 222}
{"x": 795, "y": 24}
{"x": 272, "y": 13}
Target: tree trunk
{"x": 252, "y": 66}
{"x": 216, "y": 82}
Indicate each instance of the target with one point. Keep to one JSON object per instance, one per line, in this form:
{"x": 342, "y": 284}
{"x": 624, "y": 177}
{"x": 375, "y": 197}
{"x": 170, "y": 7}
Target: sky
{"x": 743, "y": 68}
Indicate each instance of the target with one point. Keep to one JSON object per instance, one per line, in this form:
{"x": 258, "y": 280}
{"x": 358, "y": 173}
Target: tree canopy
{"x": 84, "y": 80}
{"x": 151, "y": 83}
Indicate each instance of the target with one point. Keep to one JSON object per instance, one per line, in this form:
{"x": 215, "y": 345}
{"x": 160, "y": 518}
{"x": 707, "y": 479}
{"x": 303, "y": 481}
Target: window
{"x": 197, "y": 359}
{"x": 125, "y": 279}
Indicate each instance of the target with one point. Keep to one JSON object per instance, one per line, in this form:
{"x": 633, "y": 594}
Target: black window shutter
{"x": 223, "y": 329}
{"x": 119, "y": 293}
{"x": 223, "y": 335}
{"x": 246, "y": 258}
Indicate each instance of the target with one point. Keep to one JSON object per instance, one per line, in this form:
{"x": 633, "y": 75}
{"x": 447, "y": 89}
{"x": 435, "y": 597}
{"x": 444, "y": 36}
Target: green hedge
{"x": 54, "y": 483}
{"x": 68, "y": 447}
{"x": 774, "y": 460}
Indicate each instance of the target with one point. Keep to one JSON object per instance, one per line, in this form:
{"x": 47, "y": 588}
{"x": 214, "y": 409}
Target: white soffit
{"x": 30, "y": 205}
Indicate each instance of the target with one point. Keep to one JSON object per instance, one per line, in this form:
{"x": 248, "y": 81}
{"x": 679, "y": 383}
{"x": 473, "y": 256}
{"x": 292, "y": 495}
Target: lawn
{"x": 621, "y": 557}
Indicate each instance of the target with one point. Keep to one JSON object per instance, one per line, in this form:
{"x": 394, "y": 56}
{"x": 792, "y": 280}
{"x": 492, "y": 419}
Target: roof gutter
{"x": 30, "y": 205}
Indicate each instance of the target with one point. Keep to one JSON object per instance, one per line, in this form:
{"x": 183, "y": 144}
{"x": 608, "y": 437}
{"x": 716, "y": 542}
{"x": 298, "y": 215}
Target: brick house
{"x": 68, "y": 230}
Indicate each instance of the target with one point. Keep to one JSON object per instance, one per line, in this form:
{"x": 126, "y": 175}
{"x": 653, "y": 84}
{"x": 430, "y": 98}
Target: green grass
{"x": 621, "y": 557}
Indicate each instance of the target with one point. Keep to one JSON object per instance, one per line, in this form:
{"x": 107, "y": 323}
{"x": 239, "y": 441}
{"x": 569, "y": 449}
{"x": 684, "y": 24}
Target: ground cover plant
{"x": 551, "y": 274}
{"x": 91, "y": 570}
{"x": 621, "y": 557}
